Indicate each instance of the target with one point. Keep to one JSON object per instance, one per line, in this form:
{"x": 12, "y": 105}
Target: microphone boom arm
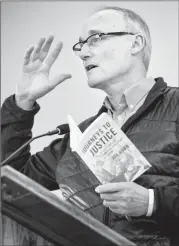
{"x": 50, "y": 133}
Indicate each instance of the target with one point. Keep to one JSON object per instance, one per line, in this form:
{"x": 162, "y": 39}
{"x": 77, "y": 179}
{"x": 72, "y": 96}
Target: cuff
{"x": 18, "y": 112}
{"x": 151, "y": 203}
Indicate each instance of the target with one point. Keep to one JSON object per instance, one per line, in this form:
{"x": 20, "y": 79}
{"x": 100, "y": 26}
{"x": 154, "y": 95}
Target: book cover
{"x": 107, "y": 151}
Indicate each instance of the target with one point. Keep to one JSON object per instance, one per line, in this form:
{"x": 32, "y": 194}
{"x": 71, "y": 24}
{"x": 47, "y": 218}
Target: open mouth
{"x": 90, "y": 67}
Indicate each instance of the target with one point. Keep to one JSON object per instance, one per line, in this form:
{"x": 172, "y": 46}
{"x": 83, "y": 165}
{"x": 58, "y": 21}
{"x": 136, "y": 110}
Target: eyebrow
{"x": 91, "y": 32}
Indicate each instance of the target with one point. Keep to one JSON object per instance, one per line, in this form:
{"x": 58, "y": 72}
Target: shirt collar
{"x": 121, "y": 104}
{"x": 132, "y": 95}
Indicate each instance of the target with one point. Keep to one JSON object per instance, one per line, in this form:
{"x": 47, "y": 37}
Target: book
{"x": 107, "y": 151}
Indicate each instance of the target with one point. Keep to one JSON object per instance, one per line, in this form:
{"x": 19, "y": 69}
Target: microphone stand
{"x": 50, "y": 133}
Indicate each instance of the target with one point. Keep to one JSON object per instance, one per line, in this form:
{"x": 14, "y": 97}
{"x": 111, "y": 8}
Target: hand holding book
{"x": 126, "y": 198}
{"x": 115, "y": 161}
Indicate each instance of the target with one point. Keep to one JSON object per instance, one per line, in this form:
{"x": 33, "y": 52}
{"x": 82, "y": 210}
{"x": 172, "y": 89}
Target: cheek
{"x": 108, "y": 60}
{"x": 111, "y": 55}
{"x": 113, "y": 61}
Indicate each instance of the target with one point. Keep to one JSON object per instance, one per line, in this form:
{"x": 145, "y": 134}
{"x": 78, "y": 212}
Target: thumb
{"x": 59, "y": 79}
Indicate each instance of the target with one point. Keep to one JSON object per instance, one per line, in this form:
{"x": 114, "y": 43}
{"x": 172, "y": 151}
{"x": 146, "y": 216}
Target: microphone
{"x": 60, "y": 130}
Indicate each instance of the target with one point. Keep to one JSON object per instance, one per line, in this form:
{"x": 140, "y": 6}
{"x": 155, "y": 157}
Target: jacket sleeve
{"x": 167, "y": 198}
{"x": 16, "y": 125}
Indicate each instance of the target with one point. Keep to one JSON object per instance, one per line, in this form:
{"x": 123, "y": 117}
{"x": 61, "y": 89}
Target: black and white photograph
{"x": 89, "y": 123}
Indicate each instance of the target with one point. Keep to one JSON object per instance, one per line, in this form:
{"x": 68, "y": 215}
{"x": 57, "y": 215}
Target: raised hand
{"x": 34, "y": 82}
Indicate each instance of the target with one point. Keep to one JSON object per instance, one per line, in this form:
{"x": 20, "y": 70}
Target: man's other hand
{"x": 125, "y": 198}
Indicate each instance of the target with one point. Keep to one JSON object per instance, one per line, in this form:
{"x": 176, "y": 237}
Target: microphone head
{"x": 63, "y": 129}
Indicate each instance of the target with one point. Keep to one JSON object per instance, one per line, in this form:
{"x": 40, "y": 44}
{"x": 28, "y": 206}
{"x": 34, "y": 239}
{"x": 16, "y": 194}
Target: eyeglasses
{"x": 95, "y": 39}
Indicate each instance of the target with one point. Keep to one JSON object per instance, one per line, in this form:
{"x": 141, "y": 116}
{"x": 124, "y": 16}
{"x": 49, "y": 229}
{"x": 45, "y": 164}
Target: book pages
{"x": 75, "y": 133}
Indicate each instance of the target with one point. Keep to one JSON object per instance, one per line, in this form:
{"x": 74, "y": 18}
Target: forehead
{"x": 104, "y": 21}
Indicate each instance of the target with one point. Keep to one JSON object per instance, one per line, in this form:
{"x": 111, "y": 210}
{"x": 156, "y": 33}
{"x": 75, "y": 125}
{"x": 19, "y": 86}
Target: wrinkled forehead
{"x": 103, "y": 21}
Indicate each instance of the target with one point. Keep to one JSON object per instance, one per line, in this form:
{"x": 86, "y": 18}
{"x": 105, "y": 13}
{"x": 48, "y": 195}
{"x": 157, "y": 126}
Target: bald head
{"x": 105, "y": 20}
{"x": 134, "y": 23}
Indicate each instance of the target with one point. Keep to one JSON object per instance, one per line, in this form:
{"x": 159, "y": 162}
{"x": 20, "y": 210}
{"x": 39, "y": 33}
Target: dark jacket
{"x": 154, "y": 129}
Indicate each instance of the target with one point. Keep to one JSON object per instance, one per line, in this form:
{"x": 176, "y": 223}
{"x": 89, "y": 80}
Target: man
{"x": 115, "y": 47}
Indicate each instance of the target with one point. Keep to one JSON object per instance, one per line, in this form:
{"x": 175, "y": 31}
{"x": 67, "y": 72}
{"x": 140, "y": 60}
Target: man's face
{"x": 111, "y": 56}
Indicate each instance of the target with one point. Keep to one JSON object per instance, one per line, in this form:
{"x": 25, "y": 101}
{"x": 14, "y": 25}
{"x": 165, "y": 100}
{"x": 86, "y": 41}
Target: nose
{"x": 85, "y": 52}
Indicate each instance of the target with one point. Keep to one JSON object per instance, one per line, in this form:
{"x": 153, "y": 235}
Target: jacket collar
{"x": 130, "y": 97}
{"x": 153, "y": 96}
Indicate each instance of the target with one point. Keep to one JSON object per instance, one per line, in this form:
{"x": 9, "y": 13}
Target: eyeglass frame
{"x": 100, "y": 35}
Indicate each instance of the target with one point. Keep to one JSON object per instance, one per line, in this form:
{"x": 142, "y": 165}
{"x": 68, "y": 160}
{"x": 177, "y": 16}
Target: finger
{"x": 59, "y": 79}
{"x": 110, "y": 196}
{"x": 46, "y": 47}
{"x": 36, "y": 53}
{"x": 53, "y": 56}
{"x": 116, "y": 205}
{"x": 112, "y": 204}
{"x": 27, "y": 55}
{"x": 111, "y": 187}
{"x": 119, "y": 211}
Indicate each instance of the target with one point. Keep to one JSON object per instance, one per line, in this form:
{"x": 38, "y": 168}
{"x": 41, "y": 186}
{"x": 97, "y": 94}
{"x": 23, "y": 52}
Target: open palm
{"x": 34, "y": 82}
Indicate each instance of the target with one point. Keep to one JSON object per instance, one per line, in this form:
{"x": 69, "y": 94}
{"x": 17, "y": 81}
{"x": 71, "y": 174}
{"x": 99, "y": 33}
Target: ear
{"x": 137, "y": 44}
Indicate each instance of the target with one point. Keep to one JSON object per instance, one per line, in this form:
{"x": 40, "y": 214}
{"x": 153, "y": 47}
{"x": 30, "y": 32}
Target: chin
{"x": 97, "y": 82}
